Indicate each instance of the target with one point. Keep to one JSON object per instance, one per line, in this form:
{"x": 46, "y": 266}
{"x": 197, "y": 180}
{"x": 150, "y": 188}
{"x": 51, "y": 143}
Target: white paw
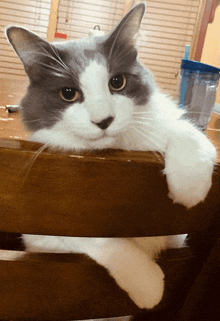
{"x": 145, "y": 287}
{"x": 149, "y": 288}
{"x": 189, "y": 177}
{"x": 133, "y": 270}
{"x": 189, "y": 190}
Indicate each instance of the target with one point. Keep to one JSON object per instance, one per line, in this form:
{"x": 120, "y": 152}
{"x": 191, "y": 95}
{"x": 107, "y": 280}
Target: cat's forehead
{"x": 80, "y": 53}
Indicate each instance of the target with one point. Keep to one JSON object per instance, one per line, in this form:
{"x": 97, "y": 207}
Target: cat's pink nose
{"x": 105, "y": 123}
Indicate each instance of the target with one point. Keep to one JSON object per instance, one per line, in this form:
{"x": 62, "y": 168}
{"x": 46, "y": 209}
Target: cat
{"x": 93, "y": 93}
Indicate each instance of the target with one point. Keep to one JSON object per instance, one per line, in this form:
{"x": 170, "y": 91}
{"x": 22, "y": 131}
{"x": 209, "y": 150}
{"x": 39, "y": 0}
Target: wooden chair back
{"x": 98, "y": 194}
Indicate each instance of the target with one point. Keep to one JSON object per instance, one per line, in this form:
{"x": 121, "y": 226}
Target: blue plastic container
{"x": 198, "y": 88}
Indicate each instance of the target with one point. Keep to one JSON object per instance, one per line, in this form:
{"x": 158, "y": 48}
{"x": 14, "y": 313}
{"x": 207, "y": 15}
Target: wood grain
{"x": 73, "y": 287}
{"x": 11, "y": 91}
{"x": 108, "y": 193}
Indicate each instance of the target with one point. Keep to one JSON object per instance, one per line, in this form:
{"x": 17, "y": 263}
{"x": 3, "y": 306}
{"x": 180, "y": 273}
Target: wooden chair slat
{"x": 72, "y": 287}
{"x": 102, "y": 194}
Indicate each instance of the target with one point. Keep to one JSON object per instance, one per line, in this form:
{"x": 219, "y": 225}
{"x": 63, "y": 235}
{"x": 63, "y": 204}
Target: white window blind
{"x": 76, "y": 18}
{"x": 167, "y": 27}
{"x": 32, "y": 14}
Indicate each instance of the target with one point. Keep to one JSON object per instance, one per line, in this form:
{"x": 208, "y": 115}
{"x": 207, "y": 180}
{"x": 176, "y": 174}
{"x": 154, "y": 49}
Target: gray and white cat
{"x": 93, "y": 93}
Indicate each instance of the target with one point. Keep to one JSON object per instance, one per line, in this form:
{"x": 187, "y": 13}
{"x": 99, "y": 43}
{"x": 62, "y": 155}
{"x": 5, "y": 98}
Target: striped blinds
{"x": 167, "y": 27}
{"x": 32, "y": 14}
{"x": 76, "y": 18}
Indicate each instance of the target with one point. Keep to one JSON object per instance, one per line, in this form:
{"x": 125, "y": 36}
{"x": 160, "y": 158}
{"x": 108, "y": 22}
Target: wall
{"x": 211, "y": 49}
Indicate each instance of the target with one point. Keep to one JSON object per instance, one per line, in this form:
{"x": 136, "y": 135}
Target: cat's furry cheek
{"x": 58, "y": 140}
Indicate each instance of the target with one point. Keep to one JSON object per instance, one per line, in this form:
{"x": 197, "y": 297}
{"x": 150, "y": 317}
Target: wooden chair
{"x": 99, "y": 194}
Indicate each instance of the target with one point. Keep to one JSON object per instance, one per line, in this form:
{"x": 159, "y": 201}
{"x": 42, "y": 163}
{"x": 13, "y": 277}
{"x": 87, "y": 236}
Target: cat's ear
{"x": 119, "y": 48}
{"x": 30, "y": 48}
{"x": 128, "y": 27}
{"x": 25, "y": 43}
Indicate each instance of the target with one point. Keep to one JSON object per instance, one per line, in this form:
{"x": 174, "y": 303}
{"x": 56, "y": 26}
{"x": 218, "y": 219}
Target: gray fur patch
{"x": 123, "y": 60}
{"x": 138, "y": 86}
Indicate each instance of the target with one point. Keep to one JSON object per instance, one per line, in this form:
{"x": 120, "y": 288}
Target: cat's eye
{"x": 117, "y": 82}
{"x": 69, "y": 94}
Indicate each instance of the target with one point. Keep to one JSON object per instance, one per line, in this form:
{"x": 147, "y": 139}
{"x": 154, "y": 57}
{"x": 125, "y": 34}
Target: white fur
{"x": 189, "y": 159}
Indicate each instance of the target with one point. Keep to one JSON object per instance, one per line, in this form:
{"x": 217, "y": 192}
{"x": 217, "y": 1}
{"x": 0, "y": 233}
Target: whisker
{"x": 158, "y": 156}
{"x": 61, "y": 62}
{"x": 30, "y": 163}
{"x": 32, "y": 121}
{"x": 143, "y": 118}
{"x": 156, "y": 143}
{"x": 48, "y": 55}
{"x": 155, "y": 134}
{"x": 144, "y": 123}
{"x": 148, "y": 126}
{"x": 54, "y": 117}
{"x": 130, "y": 142}
{"x": 50, "y": 67}
{"x": 59, "y": 58}
{"x": 142, "y": 112}
{"x": 196, "y": 112}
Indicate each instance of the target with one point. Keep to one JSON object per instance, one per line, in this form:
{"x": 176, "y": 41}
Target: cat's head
{"x": 84, "y": 93}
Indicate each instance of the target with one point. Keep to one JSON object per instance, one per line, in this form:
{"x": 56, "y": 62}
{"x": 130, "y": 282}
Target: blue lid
{"x": 193, "y": 65}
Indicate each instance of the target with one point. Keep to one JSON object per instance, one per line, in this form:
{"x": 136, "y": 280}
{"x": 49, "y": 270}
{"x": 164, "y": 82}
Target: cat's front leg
{"x": 189, "y": 162}
{"x": 134, "y": 271}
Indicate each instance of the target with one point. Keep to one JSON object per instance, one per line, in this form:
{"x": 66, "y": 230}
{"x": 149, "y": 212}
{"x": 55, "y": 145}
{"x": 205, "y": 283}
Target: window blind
{"x": 76, "y": 18}
{"x": 32, "y": 14}
{"x": 167, "y": 27}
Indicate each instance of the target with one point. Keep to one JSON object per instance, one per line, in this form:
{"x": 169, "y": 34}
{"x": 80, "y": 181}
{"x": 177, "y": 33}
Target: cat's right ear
{"x": 25, "y": 43}
{"x": 30, "y": 48}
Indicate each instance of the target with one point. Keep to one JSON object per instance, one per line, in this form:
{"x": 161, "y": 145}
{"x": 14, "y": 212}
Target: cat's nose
{"x": 105, "y": 123}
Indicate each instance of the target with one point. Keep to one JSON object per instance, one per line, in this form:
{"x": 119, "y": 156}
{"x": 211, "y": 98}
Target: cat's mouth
{"x": 102, "y": 136}
{"x": 103, "y": 141}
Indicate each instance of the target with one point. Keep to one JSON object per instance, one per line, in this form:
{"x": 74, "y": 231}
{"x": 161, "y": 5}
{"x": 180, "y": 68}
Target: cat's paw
{"x": 189, "y": 191}
{"x": 145, "y": 286}
{"x": 149, "y": 288}
{"x": 133, "y": 270}
{"x": 189, "y": 177}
